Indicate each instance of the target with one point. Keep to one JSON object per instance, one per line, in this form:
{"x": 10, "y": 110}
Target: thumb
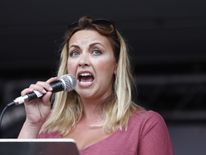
{"x": 46, "y": 97}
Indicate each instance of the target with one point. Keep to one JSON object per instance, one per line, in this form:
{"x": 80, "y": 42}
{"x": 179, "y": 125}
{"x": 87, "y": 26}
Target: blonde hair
{"x": 67, "y": 108}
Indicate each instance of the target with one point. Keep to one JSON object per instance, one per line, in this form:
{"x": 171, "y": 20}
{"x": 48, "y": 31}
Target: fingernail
{"x": 50, "y": 89}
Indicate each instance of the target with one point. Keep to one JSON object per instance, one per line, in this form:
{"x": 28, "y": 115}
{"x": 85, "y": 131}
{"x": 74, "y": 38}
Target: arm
{"x": 155, "y": 138}
{"x": 37, "y": 110}
{"x": 29, "y": 130}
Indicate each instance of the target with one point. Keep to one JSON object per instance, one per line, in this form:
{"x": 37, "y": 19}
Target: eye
{"x": 96, "y": 52}
{"x": 74, "y": 53}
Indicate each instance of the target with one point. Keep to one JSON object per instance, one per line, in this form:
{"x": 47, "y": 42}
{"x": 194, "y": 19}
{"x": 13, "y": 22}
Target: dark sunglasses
{"x": 100, "y": 22}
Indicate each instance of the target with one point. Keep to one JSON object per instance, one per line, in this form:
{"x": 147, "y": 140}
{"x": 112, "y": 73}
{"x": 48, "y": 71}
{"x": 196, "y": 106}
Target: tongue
{"x": 86, "y": 79}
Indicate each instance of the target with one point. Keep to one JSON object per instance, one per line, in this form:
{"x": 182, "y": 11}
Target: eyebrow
{"x": 91, "y": 45}
{"x": 73, "y": 46}
{"x": 96, "y": 43}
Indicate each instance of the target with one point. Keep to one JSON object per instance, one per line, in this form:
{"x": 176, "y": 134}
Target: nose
{"x": 84, "y": 60}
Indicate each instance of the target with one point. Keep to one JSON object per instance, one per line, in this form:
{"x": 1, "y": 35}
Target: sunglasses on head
{"x": 100, "y": 22}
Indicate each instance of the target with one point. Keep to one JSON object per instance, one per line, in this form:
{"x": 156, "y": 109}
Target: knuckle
{"x": 31, "y": 85}
{"x": 39, "y": 82}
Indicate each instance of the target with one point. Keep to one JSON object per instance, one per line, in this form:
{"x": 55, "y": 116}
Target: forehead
{"x": 87, "y": 37}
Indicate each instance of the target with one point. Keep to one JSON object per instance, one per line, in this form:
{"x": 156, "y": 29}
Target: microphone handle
{"x": 56, "y": 87}
{"x": 33, "y": 95}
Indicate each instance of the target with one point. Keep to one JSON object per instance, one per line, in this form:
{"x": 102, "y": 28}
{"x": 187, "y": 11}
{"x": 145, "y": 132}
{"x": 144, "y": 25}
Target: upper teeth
{"x": 85, "y": 74}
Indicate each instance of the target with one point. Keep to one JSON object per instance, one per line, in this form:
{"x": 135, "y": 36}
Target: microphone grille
{"x": 69, "y": 82}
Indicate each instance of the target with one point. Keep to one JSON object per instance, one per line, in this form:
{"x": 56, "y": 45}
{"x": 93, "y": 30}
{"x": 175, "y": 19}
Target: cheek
{"x": 106, "y": 67}
{"x": 71, "y": 67}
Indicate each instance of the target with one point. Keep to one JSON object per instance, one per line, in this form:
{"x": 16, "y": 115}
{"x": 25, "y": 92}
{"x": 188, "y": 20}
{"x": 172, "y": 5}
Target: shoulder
{"x": 144, "y": 121}
{"x": 152, "y": 132}
{"x": 149, "y": 116}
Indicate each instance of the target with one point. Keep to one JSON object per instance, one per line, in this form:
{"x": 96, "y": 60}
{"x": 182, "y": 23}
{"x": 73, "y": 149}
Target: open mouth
{"x": 85, "y": 79}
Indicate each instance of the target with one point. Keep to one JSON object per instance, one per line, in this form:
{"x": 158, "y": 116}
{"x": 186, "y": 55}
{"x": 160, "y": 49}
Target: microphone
{"x": 66, "y": 82}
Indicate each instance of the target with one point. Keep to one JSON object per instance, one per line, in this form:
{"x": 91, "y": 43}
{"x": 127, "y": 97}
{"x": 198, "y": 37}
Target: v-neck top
{"x": 146, "y": 134}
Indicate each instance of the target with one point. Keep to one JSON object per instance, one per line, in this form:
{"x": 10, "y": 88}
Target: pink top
{"x": 147, "y": 134}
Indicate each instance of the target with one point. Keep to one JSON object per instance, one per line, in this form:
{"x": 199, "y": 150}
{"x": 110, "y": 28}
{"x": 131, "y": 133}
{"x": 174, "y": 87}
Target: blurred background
{"x": 167, "y": 44}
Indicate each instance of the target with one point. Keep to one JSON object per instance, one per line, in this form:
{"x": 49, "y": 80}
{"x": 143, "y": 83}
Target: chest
{"x": 119, "y": 143}
{"x": 87, "y": 136}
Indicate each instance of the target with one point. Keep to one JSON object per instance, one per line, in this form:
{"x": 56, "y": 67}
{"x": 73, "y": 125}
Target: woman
{"x": 99, "y": 114}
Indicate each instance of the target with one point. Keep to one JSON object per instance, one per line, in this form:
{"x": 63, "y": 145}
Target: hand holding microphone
{"x": 65, "y": 82}
{"x": 37, "y": 97}
{"x": 37, "y": 110}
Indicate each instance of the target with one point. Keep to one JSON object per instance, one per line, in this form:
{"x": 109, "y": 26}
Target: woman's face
{"x": 92, "y": 61}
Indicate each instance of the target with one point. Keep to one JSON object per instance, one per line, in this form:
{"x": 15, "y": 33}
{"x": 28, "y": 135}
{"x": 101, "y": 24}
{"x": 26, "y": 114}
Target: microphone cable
{"x": 3, "y": 112}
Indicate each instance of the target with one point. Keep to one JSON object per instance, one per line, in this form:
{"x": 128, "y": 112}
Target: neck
{"x": 93, "y": 109}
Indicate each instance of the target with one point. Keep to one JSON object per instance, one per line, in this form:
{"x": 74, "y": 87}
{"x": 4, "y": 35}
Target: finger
{"x": 38, "y": 87}
{"x": 44, "y": 85}
{"x": 26, "y": 90}
{"x": 46, "y": 97}
{"x": 52, "y": 79}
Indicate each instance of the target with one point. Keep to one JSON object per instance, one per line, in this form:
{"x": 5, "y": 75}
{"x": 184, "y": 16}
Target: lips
{"x": 85, "y": 79}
